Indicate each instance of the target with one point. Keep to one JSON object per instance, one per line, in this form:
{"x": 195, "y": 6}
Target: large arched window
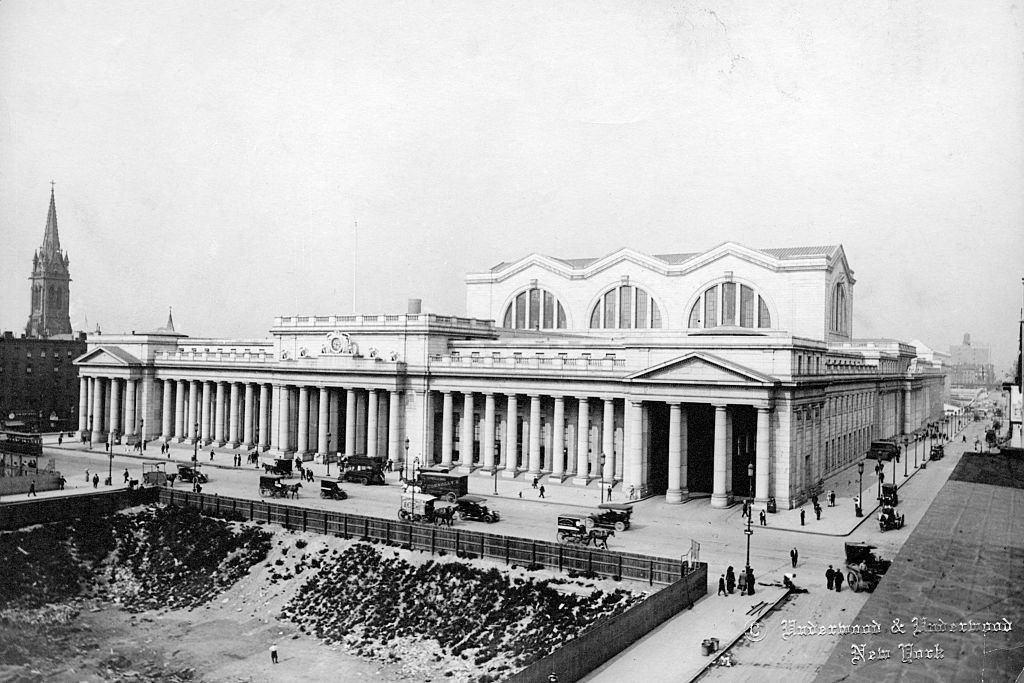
{"x": 839, "y": 320}
{"x": 729, "y": 304}
{"x": 534, "y": 309}
{"x": 625, "y": 307}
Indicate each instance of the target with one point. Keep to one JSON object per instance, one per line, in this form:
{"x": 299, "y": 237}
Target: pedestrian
{"x": 535, "y": 481}
{"x": 793, "y": 556}
{"x": 741, "y": 583}
{"x": 106, "y": 446}
{"x": 60, "y": 439}
{"x": 802, "y": 513}
{"x": 730, "y": 580}
{"x": 632, "y": 492}
{"x": 273, "y": 654}
{"x": 609, "y": 493}
{"x": 520, "y": 493}
{"x": 542, "y": 490}
{"x": 32, "y": 489}
{"x": 764, "y": 518}
{"x": 817, "y": 512}
{"x": 86, "y": 476}
{"x": 95, "y": 480}
{"x": 126, "y": 475}
{"x": 856, "y": 505}
{"x": 839, "y": 581}
{"x": 832, "y": 498}
{"x": 814, "y": 499}
{"x": 211, "y": 455}
{"x": 61, "y": 482}
{"x": 830, "y": 576}
{"x": 721, "y": 585}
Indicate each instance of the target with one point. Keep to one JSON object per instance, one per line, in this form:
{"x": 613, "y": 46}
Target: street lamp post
{"x": 412, "y": 488}
{"x": 860, "y": 489}
{"x": 142, "y": 434}
{"x": 89, "y": 431}
{"x": 906, "y": 454}
{"x": 195, "y": 444}
{"x": 601, "y": 464}
{"x": 110, "y": 458}
{"x": 407, "y": 463}
{"x": 880, "y": 471}
{"x": 915, "y": 452}
{"x": 749, "y": 531}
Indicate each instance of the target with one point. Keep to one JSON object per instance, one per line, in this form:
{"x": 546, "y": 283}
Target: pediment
{"x": 106, "y": 356}
{"x": 701, "y": 368}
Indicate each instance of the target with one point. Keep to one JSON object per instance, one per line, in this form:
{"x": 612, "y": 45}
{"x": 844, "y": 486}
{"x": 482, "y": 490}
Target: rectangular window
{"x": 625, "y": 307}
{"x": 641, "y": 309}
{"x": 549, "y": 310}
{"x": 729, "y": 303}
{"x": 746, "y": 306}
{"x": 609, "y": 309}
{"x": 534, "y": 308}
{"x": 711, "y": 307}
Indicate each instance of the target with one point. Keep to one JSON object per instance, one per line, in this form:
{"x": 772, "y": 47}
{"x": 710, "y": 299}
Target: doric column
{"x": 248, "y": 415}
{"x": 167, "y": 426}
{"x": 558, "y": 439}
{"x": 193, "y": 410}
{"x": 719, "y": 495}
{"x": 534, "y": 463}
{"x": 372, "y": 407}
{"x": 487, "y": 447}
{"x": 466, "y": 442}
{"x": 447, "y": 419}
{"x": 234, "y": 415}
{"x": 608, "y": 440}
{"x": 218, "y": 423}
{"x": 302, "y": 442}
{"x": 264, "y": 435}
{"x": 674, "y": 494}
{"x": 394, "y": 427}
{"x": 582, "y": 440}
{"x": 131, "y": 417}
{"x": 204, "y": 418}
{"x": 97, "y": 410}
{"x": 179, "y": 408}
{"x": 762, "y": 455}
{"x": 508, "y": 449}
{"x": 323, "y": 408}
{"x": 115, "y": 406}
{"x": 283, "y": 426}
{"x": 83, "y": 404}
{"x": 350, "y": 423}
{"x": 633, "y": 468}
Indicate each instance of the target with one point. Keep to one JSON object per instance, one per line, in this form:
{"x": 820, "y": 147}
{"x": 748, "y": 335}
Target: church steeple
{"x": 51, "y": 283}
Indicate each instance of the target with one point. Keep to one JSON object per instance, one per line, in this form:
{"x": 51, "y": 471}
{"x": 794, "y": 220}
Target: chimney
{"x": 415, "y": 306}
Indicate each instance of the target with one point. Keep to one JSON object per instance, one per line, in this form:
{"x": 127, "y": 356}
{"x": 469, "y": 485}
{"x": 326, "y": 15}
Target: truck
{"x": 445, "y": 485}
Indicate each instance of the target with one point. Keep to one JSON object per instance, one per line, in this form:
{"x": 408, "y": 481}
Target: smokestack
{"x": 415, "y": 306}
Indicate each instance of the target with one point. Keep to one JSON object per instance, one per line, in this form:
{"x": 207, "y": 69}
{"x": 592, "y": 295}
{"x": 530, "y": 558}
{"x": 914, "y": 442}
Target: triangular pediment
{"x": 105, "y": 356}
{"x": 701, "y": 368}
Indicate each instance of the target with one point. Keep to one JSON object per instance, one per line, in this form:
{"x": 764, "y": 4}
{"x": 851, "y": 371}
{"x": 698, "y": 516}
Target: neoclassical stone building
{"x": 671, "y": 375}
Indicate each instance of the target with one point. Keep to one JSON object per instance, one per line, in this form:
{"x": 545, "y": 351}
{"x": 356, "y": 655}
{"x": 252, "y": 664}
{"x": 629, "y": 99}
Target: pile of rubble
{"x": 382, "y": 606}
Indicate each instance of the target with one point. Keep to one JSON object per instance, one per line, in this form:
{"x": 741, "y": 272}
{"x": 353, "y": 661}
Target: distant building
{"x": 38, "y": 380}
{"x": 727, "y": 373}
{"x": 970, "y": 365}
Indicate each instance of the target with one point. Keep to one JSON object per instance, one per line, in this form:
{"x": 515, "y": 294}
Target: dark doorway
{"x": 744, "y": 436}
{"x": 657, "y": 454}
{"x": 700, "y": 447}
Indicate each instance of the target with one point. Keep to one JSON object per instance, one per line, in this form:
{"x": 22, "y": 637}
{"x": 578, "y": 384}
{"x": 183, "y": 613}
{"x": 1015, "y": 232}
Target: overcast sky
{"x": 213, "y": 156}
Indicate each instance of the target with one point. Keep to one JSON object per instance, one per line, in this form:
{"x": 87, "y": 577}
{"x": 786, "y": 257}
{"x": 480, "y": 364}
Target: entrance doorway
{"x": 700, "y": 447}
{"x": 657, "y": 453}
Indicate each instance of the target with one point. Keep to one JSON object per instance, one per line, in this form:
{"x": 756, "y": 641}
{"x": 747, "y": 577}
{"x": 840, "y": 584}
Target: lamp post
{"x": 750, "y": 481}
{"x": 142, "y": 434}
{"x": 327, "y": 455}
{"x": 89, "y": 431}
{"x": 906, "y": 454}
{"x": 601, "y": 464}
{"x": 860, "y": 489}
{"x": 195, "y": 444}
{"x": 749, "y": 531}
{"x": 407, "y": 463}
{"x": 412, "y": 488}
{"x": 110, "y": 458}
{"x": 915, "y": 452}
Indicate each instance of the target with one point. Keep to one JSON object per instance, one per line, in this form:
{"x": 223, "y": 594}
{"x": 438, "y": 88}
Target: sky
{"x": 215, "y": 157}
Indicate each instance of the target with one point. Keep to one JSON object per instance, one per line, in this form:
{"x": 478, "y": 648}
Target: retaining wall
{"x": 22, "y": 513}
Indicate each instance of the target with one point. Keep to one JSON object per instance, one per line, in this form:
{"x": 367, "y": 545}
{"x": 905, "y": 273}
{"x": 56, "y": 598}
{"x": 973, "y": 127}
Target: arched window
{"x": 534, "y": 309}
{"x": 839, "y": 319}
{"x": 625, "y": 307}
{"x": 729, "y": 304}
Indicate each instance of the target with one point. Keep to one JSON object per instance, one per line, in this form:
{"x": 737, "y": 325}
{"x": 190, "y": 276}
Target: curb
{"x": 722, "y": 651}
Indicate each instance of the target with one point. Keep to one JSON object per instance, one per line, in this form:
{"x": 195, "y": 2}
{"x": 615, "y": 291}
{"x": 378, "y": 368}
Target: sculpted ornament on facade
{"x": 340, "y": 343}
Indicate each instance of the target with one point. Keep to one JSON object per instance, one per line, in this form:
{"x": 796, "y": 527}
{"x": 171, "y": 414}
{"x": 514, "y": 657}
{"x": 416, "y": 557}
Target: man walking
{"x": 542, "y": 490}
{"x": 830, "y": 575}
{"x": 802, "y": 513}
{"x": 793, "y": 555}
{"x": 126, "y": 475}
{"x": 32, "y": 489}
{"x": 721, "y": 585}
{"x": 764, "y": 518}
{"x": 832, "y": 498}
{"x": 839, "y": 581}
{"x": 817, "y": 512}
{"x": 95, "y": 480}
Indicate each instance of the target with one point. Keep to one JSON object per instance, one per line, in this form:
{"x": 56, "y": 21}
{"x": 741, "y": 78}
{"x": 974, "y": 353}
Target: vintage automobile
{"x": 189, "y": 473}
{"x": 272, "y": 486}
{"x": 572, "y": 529}
{"x": 475, "y": 508}
{"x": 889, "y": 518}
{"x": 864, "y": 569}
{"x": 425, "y": 508}
{"x": 610, "y": 516}
{"x": 442, "y": 484}
{"x": 890, "y": 495}
{"x": 937, "y": 453}
{"x": 279, "y": 466}
{"x": 363, "y": 470}
{"x": 330, "y": 489}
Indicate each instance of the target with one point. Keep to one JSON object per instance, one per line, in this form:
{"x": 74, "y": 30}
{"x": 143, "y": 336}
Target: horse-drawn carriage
{"x": 155, "y": 474}
{"x": 330, "y": 489}
{"x": 572, "y": 529}
{"x": 426, "y": 508}
{"x": 272, "y": 487}
{"x": 281, "y": 467}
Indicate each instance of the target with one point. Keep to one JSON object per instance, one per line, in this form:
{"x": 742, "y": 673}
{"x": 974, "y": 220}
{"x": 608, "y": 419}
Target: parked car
{"x": 189, "y": 473}
{"x": 610, "y": 516}
{"x": 330, "y": 489}
{"x": 889, "y": 518}
{"x": 475, "y": 508}
{"x": 890, "y": 495}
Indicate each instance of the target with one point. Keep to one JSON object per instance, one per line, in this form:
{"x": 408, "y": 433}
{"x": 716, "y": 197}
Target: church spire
{"x": 51, "y": 292}
{"x": 51, "y": 238}
{"x": 170, "y": 321}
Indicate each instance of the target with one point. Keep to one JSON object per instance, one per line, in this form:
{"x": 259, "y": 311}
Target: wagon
{"x": 279, "y": 466}
{"x": 863, "y": 568}
{"x": 154, "y": 474}
{"x": 363, "y": 470}
{"x": 425, "y": 508}
{"x": 330, "y": 489}
{"x": 572, "y": 529}
{"x": 272, "y": 486}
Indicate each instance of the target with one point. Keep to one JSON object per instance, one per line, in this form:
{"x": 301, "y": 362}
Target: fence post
{"x": 303, "y": 519}
{"x": 506, "y": 549}
{"x": 533, "y": 552}
{"x": 650, "y": 573}
{"x": 251, "y": 511}
{"x": 620, "y": 566}
{"x": 456, "y": 543}
{"x": 433, "y": 538}
{"x": 286, "y": 516}
{"x": 216, "y": 503}
{"x": 559, "y": 558}
{"x": 590, "y": 561}
{"x": 345, "y": 522}
{"x": 325, "y": 521}
{"x": 366, "y": 527}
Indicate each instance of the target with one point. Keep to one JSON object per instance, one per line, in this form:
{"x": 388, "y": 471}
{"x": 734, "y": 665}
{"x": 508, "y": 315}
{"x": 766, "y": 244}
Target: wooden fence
{"x": 22, "y": 513}
{"x": 418, "y": 536}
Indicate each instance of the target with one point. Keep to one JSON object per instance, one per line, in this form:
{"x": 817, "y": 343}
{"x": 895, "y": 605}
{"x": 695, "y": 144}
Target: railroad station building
{"x": 724, "y": 373}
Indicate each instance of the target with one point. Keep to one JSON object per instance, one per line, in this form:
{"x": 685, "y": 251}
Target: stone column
{"x": 350, "y": 423}
{"x": 323, "y": 407}
{"x": 511, "y": 445}
{"x": 302, "y": 442}
{"x": 83, "y": 404}
{"x": 582, "y": 440}
{"x": 447, "y": 419}
{"x": 97, "y": 410}
{"x": 719, "y": 495}
{"x": 248, "y": 417}
{"x": 218, "y": 413}
{"x": 193, "y": 410}
{"x": 487, "y": 447}
{"x": 333, "y": 421}
{"x": 534, "y": 462}
{"x": 372, "y": 408}
{"x": 674, "y": 494}
{"x": 130, "y": 417}
{"x": 234, "y": 414}
{"x": 558, "y": 439}
{"x": 264, "y": 436}
{"x": 608, "y": 441}
{"x": 115, "y": 406}
{"x": 179, "y": 408}
{"x": 634, "y": 466}
{"x": 466, "y": 442}
{"x": 283, "y": 436}
{"x": 762, "y": 457}
{"x": 394, "y": 427}
{"x": 204, "y": 419}
{"x": 167, "y": 422}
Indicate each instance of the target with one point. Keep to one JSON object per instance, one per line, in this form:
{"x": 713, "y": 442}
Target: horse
{"x": 445, "y": 516}
{"x": 293, "y": 489}
{"x": 599, "y": 537}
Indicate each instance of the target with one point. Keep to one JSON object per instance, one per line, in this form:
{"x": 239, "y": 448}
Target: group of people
{"x": 834, "y": 579}
{"x": 729, "y": 582}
